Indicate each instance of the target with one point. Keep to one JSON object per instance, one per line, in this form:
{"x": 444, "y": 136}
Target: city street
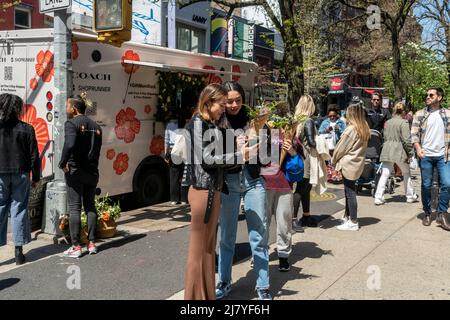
{"x": 392, "y": 256}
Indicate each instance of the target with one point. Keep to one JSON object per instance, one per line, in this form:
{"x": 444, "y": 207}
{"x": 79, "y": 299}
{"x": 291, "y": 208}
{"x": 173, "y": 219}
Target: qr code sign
{"x": 8, "y": 73}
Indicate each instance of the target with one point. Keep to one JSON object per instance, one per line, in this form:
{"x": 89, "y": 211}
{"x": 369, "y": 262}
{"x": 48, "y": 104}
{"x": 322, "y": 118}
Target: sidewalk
{"x": 392, "y": 256}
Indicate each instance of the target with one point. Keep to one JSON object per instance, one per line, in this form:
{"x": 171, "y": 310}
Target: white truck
{"x": 123, "y": 84}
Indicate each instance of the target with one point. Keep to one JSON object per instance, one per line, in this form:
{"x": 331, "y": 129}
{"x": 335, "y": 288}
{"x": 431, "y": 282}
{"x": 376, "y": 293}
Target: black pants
{"x": 81, "y": 190}
{"x": 302, "y": 193}
{"x": 177, "y": 192}
{"x": 351, "y": 204}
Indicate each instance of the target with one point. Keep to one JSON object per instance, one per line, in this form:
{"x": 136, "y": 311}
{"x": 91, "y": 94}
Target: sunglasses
{"x": 375, "y": 99}
{"x": 430, "y": 95}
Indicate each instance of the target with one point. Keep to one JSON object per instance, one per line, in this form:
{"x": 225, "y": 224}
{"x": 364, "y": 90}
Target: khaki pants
{"x": 200, "y": 270}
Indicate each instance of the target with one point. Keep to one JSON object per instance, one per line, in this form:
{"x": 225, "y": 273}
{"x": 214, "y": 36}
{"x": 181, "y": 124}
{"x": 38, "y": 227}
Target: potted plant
{"x": 107, "y": 214}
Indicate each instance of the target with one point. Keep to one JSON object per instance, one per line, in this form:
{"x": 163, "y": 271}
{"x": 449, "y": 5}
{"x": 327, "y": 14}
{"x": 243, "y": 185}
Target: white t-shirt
{"x": 434, "y": 139}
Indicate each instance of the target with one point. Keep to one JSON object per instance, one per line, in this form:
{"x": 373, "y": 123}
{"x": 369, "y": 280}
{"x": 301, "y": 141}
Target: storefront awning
{"x": 169, "y": 67}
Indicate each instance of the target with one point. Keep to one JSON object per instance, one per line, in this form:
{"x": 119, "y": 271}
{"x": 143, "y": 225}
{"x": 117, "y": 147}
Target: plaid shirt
{"x": 419, "y": 127}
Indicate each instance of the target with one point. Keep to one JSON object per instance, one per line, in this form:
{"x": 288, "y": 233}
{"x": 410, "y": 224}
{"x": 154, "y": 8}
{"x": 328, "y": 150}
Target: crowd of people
{"x": 214, "y": 178}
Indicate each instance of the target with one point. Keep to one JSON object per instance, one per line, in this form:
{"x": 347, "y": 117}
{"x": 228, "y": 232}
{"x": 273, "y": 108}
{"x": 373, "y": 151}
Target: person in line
{"x": 79, "y": 161}
{"x": 177, "y": 193}
{"x": 397, "y": 149}
{"x": 280, "y": 196}
{"x": 205, "y": 174}
{"x": 333, "y": 123}
{"x": 349, "y": 158}
{"x": 19, "y": 156}
{"x": 306, "y": 132}
{"x": 431, "y": 137}
{"x": 243, "y": 181}
{"x": 378, "y": 115}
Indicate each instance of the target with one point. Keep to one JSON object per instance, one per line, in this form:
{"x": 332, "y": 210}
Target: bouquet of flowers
{"x": 281, "y": 118}
{"x": 258, "y": 117}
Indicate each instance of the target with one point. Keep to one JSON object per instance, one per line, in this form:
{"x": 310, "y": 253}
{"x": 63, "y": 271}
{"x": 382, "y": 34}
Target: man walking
{"x": 431, "y": 137}
{"x": 79, "y": 160}
{"x": 377, "y": 115}
{"x": 18, "y": 156}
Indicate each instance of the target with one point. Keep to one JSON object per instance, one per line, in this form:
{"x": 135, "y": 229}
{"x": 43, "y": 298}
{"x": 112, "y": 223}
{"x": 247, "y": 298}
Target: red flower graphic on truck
{"x": 44, "y": 67}
{"x": 74, "y": 51}
{"x": 127, "y": 125}
{"x": 130, "y": 55}
{"x": 40, "y": 128}
{"x": 110, "y": 154}
{"x": 157, "y": 145}
{"x": 120, "y": 165}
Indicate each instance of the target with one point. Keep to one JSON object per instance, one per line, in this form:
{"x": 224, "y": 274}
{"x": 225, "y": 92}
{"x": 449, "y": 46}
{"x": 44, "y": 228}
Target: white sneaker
{"x": 348, "y": 226}
{"x": 73, "y": 252}
{"x": 173, "y": 203}
{"x": 379, "y": 202}
{"x": 415, "y": 198}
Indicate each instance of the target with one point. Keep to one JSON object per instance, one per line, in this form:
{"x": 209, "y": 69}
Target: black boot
{"x": 20, "y": 258}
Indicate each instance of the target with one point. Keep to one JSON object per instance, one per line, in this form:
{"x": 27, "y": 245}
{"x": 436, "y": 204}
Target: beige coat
{"x": 349, "y": 154}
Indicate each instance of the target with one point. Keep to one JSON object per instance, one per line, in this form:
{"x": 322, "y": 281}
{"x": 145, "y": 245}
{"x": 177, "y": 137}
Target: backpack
{"x": 294, "y": 168}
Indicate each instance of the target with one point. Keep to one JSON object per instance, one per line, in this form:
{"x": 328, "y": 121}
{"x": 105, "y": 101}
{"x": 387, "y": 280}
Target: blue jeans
{"x": 426, "y": 167}
{"x": 254, "y": 193}
{"x": 14, "y": 192}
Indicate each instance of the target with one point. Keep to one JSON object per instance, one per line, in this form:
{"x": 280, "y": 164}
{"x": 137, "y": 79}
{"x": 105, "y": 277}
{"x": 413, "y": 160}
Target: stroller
{"x": 372, "y": 167}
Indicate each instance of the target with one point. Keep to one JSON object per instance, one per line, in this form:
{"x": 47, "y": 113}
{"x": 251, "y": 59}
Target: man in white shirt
{"x": 431, "y": 137}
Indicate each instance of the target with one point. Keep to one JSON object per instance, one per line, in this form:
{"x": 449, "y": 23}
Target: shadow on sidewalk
{"x": 6, "y": 283}
{"x": 244, "y": 288}
{"x": 38, "y": 253}
{"x": 179, "y": 214}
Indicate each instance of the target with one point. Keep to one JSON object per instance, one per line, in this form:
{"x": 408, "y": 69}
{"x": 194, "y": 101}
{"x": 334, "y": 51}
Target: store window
{"x": 190, "y": 38}
{"x": 22, "y": 18}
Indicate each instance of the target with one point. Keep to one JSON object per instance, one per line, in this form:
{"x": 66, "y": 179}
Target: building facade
{"x": 24, "y": 15}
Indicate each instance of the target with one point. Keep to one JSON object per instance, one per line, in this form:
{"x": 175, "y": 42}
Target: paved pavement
{"x": 392, "y": 257}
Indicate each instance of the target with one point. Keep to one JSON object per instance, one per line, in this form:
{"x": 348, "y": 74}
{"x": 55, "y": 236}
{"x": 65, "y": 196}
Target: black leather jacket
{"x": 206, "y": 169}
{"x": 309, "y": 133}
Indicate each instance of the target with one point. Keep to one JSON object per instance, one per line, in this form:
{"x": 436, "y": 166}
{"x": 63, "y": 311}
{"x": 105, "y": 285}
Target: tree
{"x": 283, "y": 14}
{"x": 422, "y": 69}
{"x": 437, "y": 12}
{"x": 392, "y": 16}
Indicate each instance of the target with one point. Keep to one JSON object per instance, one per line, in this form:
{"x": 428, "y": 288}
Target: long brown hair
{"x": 211, "y": 94}
{"x": 356, "y": 116}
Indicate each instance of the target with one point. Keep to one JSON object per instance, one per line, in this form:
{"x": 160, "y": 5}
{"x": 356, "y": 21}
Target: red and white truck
{"x": 123, "y": 85}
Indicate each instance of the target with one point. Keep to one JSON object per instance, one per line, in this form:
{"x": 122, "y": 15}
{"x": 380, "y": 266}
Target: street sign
{"x": 53, "y": 5}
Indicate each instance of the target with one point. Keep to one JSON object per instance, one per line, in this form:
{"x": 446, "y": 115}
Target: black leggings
{"x": 302, "y": 193}
{"x": 351, "y": 204}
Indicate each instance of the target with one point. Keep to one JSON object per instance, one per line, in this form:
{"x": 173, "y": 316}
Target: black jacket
{"x": 309, "y": 133}
{"x": 376, "y": 118}
{"x": 82, "y": 144}
{"x": 18, "y": 149}
{"x": 206, "y": 169}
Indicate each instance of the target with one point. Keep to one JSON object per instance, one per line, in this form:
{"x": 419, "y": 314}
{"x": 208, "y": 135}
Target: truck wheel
{"x": 151, "y": 188}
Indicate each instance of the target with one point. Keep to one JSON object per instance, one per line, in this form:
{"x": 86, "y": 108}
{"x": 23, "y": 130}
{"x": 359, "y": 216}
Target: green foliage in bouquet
{"x": 106, "y": 210}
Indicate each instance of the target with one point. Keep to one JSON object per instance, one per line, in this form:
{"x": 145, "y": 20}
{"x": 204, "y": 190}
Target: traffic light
{"x": 112, "y": 21}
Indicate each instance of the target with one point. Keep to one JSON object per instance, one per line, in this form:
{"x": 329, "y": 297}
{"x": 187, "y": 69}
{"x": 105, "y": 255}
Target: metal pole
{"x": 56, "y": 194}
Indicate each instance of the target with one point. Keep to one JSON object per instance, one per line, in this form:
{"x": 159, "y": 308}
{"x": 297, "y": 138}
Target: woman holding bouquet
{"x": 279, "y": 187}
{"x": 205, "y": 176}
{"x": 243, "y": 181}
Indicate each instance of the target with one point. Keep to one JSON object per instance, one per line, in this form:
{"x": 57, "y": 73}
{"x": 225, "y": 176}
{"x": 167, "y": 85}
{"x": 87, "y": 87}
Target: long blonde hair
{"x": 356, "y": 116}
{"x": 211, "y": 93}
{"x": 305, "y": 107}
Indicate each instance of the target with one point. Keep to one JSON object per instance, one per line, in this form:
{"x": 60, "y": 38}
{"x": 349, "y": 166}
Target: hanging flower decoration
{"x": 120, "y": 165}
{"x": 130, "y": 55}
{"x": 127, "y": 125}
{"x": 44, "y": 66}
{"x": 169, "y": 84}
{"x": 110, "y": 154}
{"x": 29, "y": 116}
{"x": 157, "y": 145}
